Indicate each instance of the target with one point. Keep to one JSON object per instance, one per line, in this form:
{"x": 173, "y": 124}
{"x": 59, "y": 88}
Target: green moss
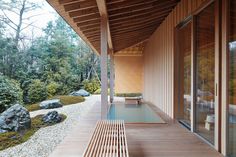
{"x": 65, "y": 100}
{"x": 68, "y": 100}
{"x": 11, "y": 139}
{"x": 128, "y": 94}
{"x": 32, "y": 107}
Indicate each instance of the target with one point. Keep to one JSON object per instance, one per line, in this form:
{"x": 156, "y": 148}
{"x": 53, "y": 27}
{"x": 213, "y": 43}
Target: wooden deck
{"x": 144, "y": 140}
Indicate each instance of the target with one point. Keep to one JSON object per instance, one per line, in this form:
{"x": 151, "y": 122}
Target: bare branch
{"x": 29, "y": 17}
{"x": 10, "y": 25}
{"x": 9, "y": 18}
{"x": 30, "y": 24}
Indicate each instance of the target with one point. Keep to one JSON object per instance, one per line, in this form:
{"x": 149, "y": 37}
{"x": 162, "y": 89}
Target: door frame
{"x": 218, "y": 71}
{"x": 217, "y": 131}
{"x": 177, "y": 64}
{"x": 225, "y": 78}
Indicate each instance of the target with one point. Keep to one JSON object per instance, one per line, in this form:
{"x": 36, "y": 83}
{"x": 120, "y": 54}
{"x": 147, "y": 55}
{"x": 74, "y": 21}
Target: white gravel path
{"x": 44, "y": 141}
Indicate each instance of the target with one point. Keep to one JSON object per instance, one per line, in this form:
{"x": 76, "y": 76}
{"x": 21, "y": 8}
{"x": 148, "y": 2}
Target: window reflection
{"x": 232, "y": 82}
{"x": 184, "y": 49}
{"x": 205, "y": 67}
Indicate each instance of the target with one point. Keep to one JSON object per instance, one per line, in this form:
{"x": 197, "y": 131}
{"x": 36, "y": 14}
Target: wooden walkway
{"x": 146, "y": 140}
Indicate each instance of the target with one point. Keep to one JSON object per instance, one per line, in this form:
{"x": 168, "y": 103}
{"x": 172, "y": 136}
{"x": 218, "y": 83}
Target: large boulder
{"x": 52, "y": 117}
{"x": 80, "y": 92}
{"x": 16, "y": 118}
{"x": 48, "y": 104}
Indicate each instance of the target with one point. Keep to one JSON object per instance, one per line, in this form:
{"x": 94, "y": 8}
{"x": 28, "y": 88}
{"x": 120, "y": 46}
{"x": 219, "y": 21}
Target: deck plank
{"x": 144, "y": 140}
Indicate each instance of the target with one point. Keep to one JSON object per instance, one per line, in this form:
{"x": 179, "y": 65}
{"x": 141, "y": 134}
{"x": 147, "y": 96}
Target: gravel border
{"x": 44, "y": 141}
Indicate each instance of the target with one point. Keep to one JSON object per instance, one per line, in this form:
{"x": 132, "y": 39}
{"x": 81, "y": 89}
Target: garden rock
{"x": 48, "y": 104}
{"x": 80, "y": 92}
{"x": 16, "y": 118}
{"x": 52, "y": 117}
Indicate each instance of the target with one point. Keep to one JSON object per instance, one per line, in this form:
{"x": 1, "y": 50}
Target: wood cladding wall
{"x": 159, "y": 58}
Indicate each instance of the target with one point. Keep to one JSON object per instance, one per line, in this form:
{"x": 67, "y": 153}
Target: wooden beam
{"x": 103, "y": 13}
{"x": 139, "y": 30}
{"x": 145, "y": 21}
{"x": 86, "y": 18}
{"x": 126, "y": 8}
{"x": 79, "y": 5}
{"x": 123, "y": 3}
{"x": 141, "y": 14}
{"x": 90, "y": 26}
{"x": 144, "y": 25}
{"x": 147, "y": 5}
{"x": 130, "y": 37}
{"x": 122, "y": 41}
{"x": 137, "y": 21}
{"x": 92, "y": 33}
{"x": 88, "y": 23}
{"x": 69, "y": 1}
{"x": 84, "y": 12}
{"x": 94, "y": 36}
{"x": 94, "y": 30}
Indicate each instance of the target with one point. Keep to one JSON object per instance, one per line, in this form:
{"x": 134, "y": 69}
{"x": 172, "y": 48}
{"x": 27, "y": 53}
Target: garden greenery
{"x": 10, "y": 93}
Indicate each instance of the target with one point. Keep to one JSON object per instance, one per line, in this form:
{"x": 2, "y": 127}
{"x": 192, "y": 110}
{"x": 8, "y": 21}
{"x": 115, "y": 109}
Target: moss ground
{"x": 65, "y": 100}
{"x": 11, "y": 139}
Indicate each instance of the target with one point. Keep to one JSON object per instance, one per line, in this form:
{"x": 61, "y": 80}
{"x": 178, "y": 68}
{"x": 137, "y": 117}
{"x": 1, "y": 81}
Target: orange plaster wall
{"x": 128, "y": 74}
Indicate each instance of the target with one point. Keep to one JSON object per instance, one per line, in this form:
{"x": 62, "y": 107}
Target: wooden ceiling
{"x": 135, "y": 50}
{"x": 130, "y": 21}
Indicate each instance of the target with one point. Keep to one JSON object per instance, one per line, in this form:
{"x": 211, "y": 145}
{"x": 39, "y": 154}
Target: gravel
{"x": 44, "y": 141}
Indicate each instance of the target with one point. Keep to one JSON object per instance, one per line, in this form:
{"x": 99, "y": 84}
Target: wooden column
{"x": 104, "y": 83}
{"x": 112, "y": 76}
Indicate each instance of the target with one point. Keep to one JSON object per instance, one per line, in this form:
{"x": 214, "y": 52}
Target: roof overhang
{"x": 129, "y": 22}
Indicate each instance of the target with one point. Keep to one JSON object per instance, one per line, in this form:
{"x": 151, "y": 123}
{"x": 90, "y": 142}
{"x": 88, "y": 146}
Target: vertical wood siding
{"x": 159, "y": 58}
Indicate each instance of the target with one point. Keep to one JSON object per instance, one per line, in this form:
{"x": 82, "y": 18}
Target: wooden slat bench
{"x": 108, "y": 140}
{"x": 133, "y": 100}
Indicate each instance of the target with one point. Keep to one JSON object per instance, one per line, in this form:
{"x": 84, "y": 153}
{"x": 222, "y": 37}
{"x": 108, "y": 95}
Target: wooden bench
{"x": 133, "y": 100}
{"x": 108, "y": 140}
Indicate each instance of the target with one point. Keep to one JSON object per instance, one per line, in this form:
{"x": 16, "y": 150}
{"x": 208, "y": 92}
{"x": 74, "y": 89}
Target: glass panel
{"x": 205, "y": 67}
{"x": 184, "y": 43}
{"x": 232, "y": 81}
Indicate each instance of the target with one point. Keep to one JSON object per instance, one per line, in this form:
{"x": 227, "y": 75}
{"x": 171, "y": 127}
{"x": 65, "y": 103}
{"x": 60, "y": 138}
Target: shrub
{"x": 52, "y": 89}
{"x": 37, "y": 91}
{"x": 10, "y": 93}
{"x": 91, "y": 85}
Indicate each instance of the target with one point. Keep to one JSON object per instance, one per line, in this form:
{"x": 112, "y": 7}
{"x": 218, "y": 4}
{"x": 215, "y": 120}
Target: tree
{"x": 19, "y": 8}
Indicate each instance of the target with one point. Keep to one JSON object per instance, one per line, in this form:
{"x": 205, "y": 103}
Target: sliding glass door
{"x": 205, "y": 73}
{"x": 184, "y": 52}
{"x": 232, "y": 81}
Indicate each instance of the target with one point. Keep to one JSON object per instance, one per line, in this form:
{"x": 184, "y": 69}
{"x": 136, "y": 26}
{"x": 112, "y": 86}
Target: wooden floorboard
{"x": 144, "y": 140}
